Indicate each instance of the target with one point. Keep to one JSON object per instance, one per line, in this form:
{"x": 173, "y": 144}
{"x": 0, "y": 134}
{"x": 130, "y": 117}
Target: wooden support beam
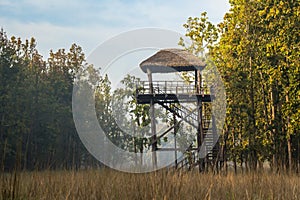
{"x": 153, "y": 125}
{"x": 170, "y": 149}
{"x": 175, "y": 141}
{"x": 200, "y": 133}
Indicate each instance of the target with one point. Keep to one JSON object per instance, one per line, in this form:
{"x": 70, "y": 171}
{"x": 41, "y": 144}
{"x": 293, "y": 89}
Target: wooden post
{"x": 200, "y": 134}
{"x": 175, "y": 141}
{"x": 216, "y": 146}
{"x": 196, "y": 80}
{"x": 152, "y": 116}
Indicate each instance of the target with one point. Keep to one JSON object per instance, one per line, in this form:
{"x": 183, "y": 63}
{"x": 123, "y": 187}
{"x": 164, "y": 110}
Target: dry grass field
{"x": 109, "y": 184}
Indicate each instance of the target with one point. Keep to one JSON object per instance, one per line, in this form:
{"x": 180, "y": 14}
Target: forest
{"x": 256, "y": 49}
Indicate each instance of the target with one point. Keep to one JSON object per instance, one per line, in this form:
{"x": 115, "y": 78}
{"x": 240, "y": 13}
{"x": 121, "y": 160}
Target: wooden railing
{"x": 170, "y": 87}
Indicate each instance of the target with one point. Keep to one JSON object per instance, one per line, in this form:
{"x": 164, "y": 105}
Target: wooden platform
{"x": 171, "y": 98}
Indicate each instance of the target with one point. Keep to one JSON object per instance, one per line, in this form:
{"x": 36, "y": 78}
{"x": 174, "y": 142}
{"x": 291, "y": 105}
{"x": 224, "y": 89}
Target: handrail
{"x": 170, "y": 128}
{"x": 187, "y": 114}
{"x": 170, "y": 87}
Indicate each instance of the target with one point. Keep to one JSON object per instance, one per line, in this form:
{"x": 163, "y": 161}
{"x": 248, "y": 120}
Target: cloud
{"x": 50, "y": 36}
{"x": 6, "y": 3}
{"x": 59, "y": 23}
{"x": 110, "y": 12}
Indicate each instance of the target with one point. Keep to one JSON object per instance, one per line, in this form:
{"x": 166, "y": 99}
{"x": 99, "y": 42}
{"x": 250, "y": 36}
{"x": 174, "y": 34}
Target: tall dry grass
{"x": 109, "y": 184}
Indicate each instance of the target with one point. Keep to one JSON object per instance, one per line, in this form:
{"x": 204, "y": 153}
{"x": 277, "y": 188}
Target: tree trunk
{"x": 289, "y": 147}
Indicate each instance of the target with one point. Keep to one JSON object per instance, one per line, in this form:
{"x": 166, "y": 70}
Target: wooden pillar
{"x": 175, "y": 141}
{"x": 216, "y": 148}
{"x": 196, "y": 82}
{"x": 153, "y": 125}
{"x": 200, "y": 134}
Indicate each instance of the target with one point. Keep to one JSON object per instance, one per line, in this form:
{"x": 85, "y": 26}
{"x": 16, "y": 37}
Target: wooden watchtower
{"x": 169, "y": 95}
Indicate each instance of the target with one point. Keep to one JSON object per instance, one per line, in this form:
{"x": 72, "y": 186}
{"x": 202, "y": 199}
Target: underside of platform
{"x": 172, "y": 98}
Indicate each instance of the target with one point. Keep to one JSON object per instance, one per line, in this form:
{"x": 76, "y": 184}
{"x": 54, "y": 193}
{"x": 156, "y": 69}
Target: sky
{"x": 59, "y": 23}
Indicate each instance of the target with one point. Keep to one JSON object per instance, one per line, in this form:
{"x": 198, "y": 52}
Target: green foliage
{"x": 36, "y": 124}
{"x": 257, "y": 53}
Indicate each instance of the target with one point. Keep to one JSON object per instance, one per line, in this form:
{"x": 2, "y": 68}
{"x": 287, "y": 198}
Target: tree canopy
{"x": 256, "y": 50}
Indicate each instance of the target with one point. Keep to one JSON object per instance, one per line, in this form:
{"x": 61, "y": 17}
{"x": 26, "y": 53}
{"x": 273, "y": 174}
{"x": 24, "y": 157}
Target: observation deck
{"x": 171, "y": 92}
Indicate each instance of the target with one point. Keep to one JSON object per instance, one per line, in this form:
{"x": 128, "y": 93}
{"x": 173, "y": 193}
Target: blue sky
{"x": 59, "y": 23}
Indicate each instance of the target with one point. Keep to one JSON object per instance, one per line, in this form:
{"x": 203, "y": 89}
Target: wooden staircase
{"x": 171, "y": 95}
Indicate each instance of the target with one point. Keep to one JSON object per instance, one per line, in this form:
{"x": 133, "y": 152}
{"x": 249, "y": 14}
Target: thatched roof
{"x": 172, "y": 60}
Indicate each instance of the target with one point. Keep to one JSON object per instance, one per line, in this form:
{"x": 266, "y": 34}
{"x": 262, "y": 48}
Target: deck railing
{"x": 170, "y": 87}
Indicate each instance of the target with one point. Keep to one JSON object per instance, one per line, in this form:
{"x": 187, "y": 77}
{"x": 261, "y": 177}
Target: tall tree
{"x": 257, "y": 54}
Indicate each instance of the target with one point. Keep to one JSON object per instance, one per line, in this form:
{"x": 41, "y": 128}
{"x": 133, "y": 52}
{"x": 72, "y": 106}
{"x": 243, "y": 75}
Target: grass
{"x": 110, "y": 184}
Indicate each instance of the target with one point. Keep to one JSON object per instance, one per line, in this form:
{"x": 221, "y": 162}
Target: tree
{"x": 36, "y": 127}
{"x": 257, "y": 55}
